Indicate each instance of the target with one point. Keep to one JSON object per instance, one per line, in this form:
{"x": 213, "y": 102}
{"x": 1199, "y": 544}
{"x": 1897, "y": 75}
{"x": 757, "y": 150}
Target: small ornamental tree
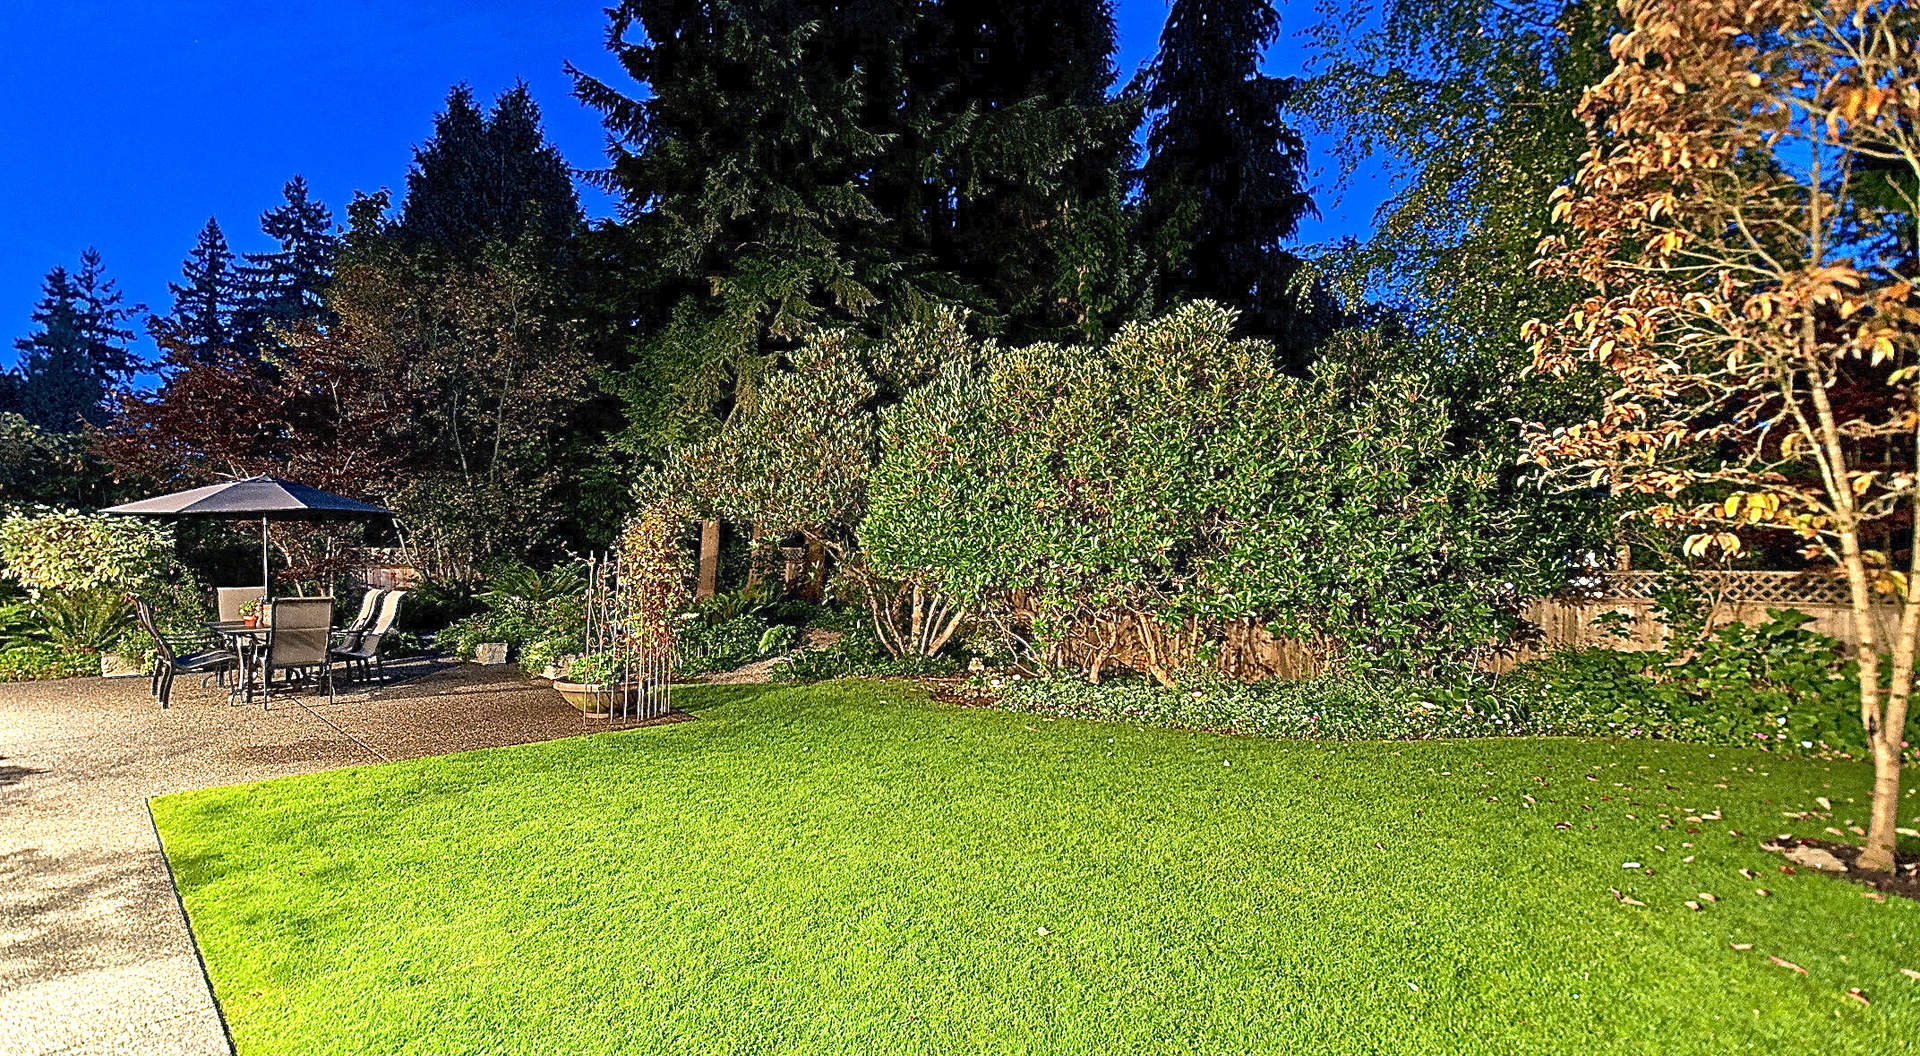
{"x": 1744, "y": 223}
{"x": 796, "y": 459}
{"x": 653, "y": 578}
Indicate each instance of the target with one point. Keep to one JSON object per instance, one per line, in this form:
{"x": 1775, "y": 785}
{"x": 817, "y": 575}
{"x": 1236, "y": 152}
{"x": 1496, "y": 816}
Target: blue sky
{"x": 131, "y": 123}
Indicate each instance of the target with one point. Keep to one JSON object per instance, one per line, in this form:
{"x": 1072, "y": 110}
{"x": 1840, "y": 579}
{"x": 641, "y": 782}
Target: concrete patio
{"x": 95, "y": 956}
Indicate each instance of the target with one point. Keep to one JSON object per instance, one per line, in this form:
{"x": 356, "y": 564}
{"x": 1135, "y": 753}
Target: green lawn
{"x": 849, "y": 868}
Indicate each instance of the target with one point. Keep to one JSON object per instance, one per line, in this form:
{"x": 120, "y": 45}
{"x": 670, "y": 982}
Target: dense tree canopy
{"x": 794, "y": 165}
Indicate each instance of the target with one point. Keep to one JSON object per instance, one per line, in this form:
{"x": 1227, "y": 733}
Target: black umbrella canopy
{"x": 264, "y": 498}
{"x": 255, "y": 497}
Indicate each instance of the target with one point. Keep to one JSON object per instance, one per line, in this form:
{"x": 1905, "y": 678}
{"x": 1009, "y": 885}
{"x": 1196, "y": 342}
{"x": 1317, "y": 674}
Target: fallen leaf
{"x": 1749, "y": 874}
{"x": 1624, "y": 898}
{"x": 1740, "y": 945}
{"x": 1762, "y": 892}
{"x": 1911, "y": 974}
{"x": 1855, "y": 993}
{"x": 1825, "y": 803}
{"x": 1782, "y": 962}
{"x": 1708, "y": 896}
{"x": 1691, "y": 904}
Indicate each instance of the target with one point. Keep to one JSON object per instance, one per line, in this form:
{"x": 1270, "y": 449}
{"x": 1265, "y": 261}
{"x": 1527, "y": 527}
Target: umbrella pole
{"x": 266, "y": 575}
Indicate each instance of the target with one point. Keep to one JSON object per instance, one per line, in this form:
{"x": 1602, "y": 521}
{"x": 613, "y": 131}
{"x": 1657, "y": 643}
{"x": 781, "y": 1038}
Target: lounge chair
{"x": 213, "y": 663}
{"x": 296, "y": 642}
{"x": 348, "y": 637}
{"x": 365, "y": 654}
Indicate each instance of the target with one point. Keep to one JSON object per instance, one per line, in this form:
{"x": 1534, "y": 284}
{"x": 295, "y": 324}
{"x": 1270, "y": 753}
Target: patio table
{"x": 245, "y": 642}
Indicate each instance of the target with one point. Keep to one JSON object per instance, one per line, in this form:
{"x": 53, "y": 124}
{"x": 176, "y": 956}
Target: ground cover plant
{"x": 850, "y": 868}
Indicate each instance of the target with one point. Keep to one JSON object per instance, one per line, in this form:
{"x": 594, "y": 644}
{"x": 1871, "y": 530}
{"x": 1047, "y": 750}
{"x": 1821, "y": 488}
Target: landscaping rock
{"x": 1816, "y": 858}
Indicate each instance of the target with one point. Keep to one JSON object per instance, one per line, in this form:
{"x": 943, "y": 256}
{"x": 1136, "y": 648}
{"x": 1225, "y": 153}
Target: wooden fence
{"x": 1568, "y": 620}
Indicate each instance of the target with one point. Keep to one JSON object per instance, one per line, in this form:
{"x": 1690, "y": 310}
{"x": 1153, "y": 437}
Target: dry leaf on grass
{"x": 1784, "y": 963}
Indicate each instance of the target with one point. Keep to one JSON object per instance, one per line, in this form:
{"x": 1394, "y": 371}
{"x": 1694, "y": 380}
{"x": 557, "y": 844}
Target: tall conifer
{"x": 1223, "y": 186}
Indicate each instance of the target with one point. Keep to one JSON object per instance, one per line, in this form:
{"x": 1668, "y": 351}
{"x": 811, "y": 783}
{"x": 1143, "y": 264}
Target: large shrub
{"x": 77, "y": 567}
{"x": 1082, "y": 497}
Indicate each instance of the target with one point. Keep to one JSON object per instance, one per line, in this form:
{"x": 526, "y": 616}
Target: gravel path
{"x": 95, "y": 956}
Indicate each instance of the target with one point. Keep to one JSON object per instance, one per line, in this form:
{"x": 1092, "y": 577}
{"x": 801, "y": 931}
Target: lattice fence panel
{"x": 1759, "y": 588}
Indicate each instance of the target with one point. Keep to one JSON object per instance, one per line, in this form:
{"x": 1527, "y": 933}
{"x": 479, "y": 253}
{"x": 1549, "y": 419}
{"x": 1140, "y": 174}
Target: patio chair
{"x": 297, "y": 638}
{"x": 348, "y": 637}
{"x": 231, "y": 598}
{"x": 213, "y": 663}
{"x": 365, "y": 654}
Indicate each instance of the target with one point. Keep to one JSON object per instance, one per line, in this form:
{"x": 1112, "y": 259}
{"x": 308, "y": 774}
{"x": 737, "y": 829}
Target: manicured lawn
{"x": 852, "y": 869}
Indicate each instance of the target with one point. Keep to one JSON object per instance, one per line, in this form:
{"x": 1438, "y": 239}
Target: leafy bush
{"x": 857, "y": 652}
{"x": 1776, "y": 682}
{"x": 549, "y": 652}
{"x": 1338, "y": 706}
{"x": 65, "y": 550}
{"x": 1175, "y": 472}
{"x": 522, "y": 607}
{"x": 434, "y": 604}
{"x": 728, "y": 605}
{"x": 705, "y": 648}
{"x": 19, "y": 626}
{"x": 76, "y": 568}
{"x": 37, "y": 663}
{"x": 780, "y": 638}
{"x": 92, "y": 620}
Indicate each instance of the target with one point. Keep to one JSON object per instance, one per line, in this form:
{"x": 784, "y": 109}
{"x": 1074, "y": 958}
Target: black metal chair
{"x": 365, "y": 653}
{"x": 213, "y": 663}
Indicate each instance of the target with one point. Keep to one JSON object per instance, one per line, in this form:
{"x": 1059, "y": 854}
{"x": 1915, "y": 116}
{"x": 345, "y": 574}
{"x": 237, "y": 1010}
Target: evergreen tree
{"x": 79, "y": 351}
{"x": 1027, "y": 198}
{"x": 746, "y": 169}
{"x": 1223, "y": 184}
{"x": 804, "y": 163}
{"x": 206, "y": 299}
{"x": 488, "y": 178}
{"x": 283, "y": 288}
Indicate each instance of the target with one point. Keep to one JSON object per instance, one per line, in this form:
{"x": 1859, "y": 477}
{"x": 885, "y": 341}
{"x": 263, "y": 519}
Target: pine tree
{"x": 283, "y": 288}
{"x": 1223, "y": 184}
{"x": 488, "y": 178}
{"x": 79, "y": 352}
{"x": 206, "y": 299}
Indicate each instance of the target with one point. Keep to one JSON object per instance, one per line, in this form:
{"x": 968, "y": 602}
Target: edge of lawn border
{"x": 173, "y": 884}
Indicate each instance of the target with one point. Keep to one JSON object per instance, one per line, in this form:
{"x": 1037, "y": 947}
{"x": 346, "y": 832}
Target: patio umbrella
{"x": 264, "y": 497}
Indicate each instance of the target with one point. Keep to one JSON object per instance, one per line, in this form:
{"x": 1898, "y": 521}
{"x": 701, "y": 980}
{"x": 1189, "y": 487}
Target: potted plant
{"x": 250, "y": 612}
{"x": 590, "y": 682}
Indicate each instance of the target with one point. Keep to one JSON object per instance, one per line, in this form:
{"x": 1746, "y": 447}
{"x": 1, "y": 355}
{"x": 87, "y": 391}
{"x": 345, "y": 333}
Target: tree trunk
{"x": 709, "y": 559}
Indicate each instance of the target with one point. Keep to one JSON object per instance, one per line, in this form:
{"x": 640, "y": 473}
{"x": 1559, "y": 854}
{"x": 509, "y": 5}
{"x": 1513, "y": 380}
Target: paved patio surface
{"x": 95, "y": 956}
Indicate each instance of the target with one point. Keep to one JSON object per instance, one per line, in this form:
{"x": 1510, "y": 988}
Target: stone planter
{"x": 490, "y": 653}
{"x": 594, "y": 699}
{"x": 113, "y": 665}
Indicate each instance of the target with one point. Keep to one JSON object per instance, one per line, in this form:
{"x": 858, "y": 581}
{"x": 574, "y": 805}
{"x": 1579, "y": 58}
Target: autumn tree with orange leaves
{"x": 1745, "y": 223}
